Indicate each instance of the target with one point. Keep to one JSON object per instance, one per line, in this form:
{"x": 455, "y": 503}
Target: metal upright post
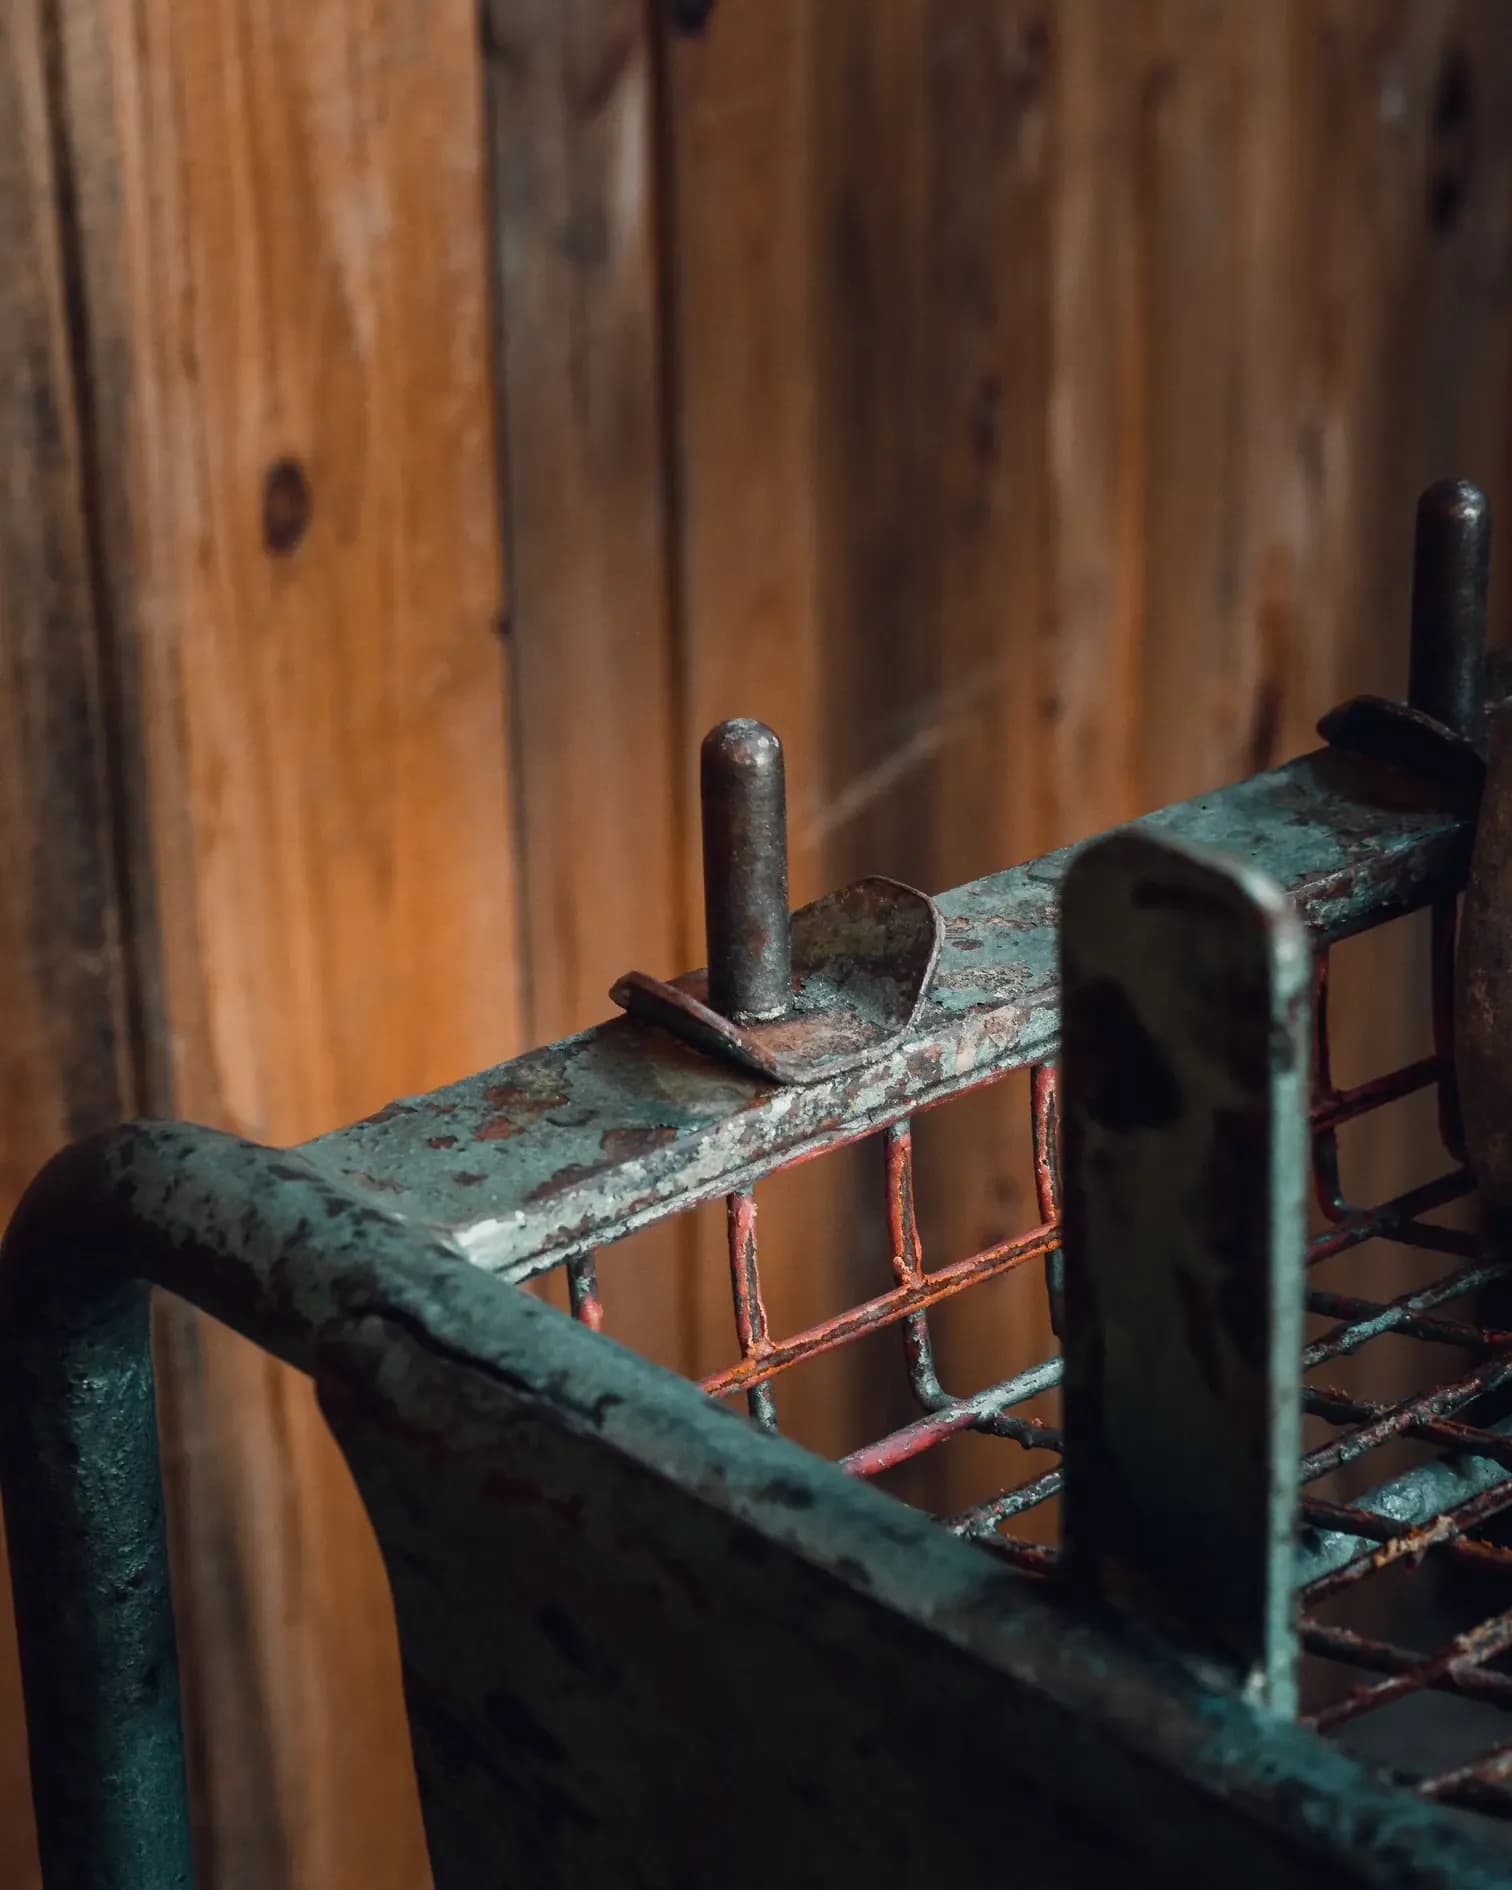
{"x": 1183, "y": 1095}
{"x": 744, "y": 793}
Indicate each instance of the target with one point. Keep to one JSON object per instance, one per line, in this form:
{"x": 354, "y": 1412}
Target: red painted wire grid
{"x": 1463, "y": 1664}
{"x": 1431, "y": 1415}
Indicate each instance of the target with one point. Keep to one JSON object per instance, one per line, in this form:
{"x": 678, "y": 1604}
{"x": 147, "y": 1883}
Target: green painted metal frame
{"x": 1185, "y": 1067}
{"x": 381, "y": 1259}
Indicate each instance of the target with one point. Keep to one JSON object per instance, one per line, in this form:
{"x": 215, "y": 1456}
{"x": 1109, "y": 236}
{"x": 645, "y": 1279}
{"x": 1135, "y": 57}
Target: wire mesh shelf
{"x": 1416, "y": 1520}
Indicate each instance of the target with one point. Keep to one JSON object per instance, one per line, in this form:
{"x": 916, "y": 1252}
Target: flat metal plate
{"x": 863, "y": 959}
{"x": 1184, "y": 1095}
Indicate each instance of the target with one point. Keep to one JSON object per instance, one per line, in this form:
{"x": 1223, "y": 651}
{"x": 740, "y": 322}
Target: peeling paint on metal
{"x": 1352, "y": 843}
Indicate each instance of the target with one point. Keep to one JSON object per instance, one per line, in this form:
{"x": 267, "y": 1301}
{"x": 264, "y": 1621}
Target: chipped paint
{"x": 1352, "y": 842}
{"x": 1183, "y": 1096}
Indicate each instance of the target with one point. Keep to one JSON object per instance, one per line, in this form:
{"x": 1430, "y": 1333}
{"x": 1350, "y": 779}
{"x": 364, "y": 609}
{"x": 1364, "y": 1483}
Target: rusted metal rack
{"x": 647, "y": 1642}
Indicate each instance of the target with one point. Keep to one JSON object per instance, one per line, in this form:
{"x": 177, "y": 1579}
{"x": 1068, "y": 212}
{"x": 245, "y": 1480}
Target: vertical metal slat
{"x": 1183, "y": 1095}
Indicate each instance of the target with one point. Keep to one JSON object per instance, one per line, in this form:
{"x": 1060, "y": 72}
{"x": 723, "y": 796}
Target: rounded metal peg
{"x": 1450, "y": 571}
{"x": 744, "y": 794}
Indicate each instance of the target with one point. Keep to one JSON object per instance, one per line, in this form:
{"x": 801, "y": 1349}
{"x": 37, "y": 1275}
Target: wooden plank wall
{"x": 66, "y": 1061}
{"x": 1019, "y": 405}
{"x": 274, "y": 302}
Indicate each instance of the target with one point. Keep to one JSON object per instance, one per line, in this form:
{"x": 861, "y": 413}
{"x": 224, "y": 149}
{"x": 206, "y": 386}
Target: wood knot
{"x": 1451, "y": 144}
{"x": 286, "y": 507}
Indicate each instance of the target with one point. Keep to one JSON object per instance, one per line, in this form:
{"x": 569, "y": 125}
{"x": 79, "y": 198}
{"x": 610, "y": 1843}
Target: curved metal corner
{"x": 265, "y": 1242}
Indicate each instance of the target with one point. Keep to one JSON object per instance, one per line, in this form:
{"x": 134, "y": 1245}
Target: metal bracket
{"x": 1379, "y": 729}
{"x": 792, "y": 997}
{"x": 862, "y": 963}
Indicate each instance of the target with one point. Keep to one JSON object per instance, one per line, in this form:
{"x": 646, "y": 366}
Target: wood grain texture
{"x": 738, "y": 156}
{"x": 577, "y": 257}
{"x": 1021, "y": 406}
{"x": 1103, "y": 349}
{"x": 281, "y": 244}
{"x": 66, "y": 1056}
{"x": 67, "y": 1061}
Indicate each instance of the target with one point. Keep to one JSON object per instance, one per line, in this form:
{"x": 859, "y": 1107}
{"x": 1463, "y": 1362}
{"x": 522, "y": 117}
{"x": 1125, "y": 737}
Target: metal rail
{"x": 560, "y": 1150}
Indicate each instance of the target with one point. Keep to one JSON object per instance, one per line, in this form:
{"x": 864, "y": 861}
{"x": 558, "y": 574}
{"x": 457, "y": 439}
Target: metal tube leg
{"x": 89, "y": 1573}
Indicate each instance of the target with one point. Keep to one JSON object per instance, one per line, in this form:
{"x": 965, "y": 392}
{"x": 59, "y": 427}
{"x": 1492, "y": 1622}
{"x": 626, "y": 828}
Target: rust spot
{"x": 924, "y": 1064}
{"x": 498, "y": 1129}
{"x": 566, "y": 1178}
{"x": 526, "y": 1098}
{"x": 625, "y": 1144}
{"x": 441, "y": 1141}
{"x": 468, "y": 1178}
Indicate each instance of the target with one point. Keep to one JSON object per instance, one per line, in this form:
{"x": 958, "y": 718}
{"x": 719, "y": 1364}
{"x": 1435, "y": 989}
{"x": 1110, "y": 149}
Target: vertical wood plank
{"x": 1365, "y": 98}
{"x": 1085, "y": 728}
{"x": 984, "y": 417}
{"x": 1219, "y": 297}
{"x": 65, "y": 1049}
{"x": 878, "y": 455}
{"x": 872, "y": 473}
{"x": 1411, "y": 252}
{"x": 1407, "y": 112}
{"x": 737, "y": 111}
{"x": 279, "y": 214}
{"x": 577, "y": 258}
{"x": 67, "y": 1063}
{"x": 737, "y": 149}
